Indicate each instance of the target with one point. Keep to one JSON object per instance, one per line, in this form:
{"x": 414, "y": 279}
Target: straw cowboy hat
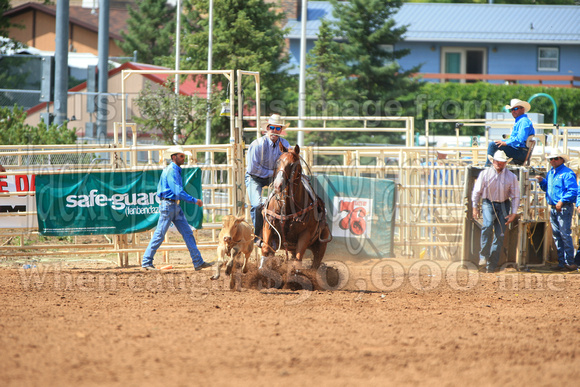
{"x": 555, "y": 153}
{"x": 175, "y": 149}
{"x": 442, "y": 149}
{"x": 276, "y": 120}
{"x": 518, "y": 102}
{"x": 499, "y": 156}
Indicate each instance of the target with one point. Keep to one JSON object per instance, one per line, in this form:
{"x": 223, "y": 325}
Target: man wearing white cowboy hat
{"x": 261, "y": 159}
{"x": 170, "y": 191}
{"x": 561, "y": 193}
{"x": 515, "y": 145}
{"x": 499, "y": 190}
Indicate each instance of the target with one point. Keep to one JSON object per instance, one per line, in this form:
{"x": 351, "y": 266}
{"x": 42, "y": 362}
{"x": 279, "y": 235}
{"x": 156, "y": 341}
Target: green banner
{"x": 107, "y": 202}
{"x": 361, "y": 214}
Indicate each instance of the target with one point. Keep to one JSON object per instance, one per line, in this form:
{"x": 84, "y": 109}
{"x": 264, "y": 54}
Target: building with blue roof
{"x": 494, "y": 42}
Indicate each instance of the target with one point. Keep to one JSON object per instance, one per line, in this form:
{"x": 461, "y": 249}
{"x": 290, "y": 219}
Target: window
{"x": 548, "y": 58}
{"x": 463, "y": 60}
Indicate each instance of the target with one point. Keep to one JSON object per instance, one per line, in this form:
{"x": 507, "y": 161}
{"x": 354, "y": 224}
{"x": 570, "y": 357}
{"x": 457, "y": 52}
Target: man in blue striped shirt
{"x": 561, "y": 190}
{"x": 261, "y": 159}
{"x": 515, "y": 146}
{"x": 170, "y": 191}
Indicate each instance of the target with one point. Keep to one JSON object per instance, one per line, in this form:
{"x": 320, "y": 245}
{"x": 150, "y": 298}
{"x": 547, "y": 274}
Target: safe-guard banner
{"x": 107, "y": 202}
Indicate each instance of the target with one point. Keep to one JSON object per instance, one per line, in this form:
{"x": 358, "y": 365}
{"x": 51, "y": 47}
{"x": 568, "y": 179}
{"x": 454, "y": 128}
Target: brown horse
{"x": 295, "y": 217}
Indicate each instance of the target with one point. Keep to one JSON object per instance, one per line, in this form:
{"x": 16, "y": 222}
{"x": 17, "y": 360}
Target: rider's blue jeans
{"x": 254, "y": 186}
{"x": 171, "y": 212}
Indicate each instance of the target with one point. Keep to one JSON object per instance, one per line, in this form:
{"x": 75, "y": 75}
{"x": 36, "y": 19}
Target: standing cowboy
{"x": 170, "y": 191}
{"x": 262, "y": 156}
{"x": 496, "y": 185}
{"x": 561, "y": 193}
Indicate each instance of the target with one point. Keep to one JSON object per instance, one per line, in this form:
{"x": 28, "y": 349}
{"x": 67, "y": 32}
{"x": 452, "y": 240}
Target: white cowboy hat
{"x": 276, "y": 120}
{"x": 499, "y": 156}
{"x": 175, "y": 149}
{"x": 518, "y": 102}
{"x": 442, "y": 150}
{"x": 554, "y": 153}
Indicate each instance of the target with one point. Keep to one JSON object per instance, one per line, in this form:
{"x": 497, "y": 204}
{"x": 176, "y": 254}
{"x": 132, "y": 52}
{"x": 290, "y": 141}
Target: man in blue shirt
{"x": 561, "y": 193}
{"x": 261, "y": 158}
{"x": 170, "y": 191}
{"x": 515, "y": 146}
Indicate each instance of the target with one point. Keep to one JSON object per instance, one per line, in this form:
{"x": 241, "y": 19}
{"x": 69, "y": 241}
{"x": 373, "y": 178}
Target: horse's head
{"x": 288, "y": 169}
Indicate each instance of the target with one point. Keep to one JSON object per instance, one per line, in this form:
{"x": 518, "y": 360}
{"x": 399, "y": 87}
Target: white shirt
{"x": 497, "y": 187}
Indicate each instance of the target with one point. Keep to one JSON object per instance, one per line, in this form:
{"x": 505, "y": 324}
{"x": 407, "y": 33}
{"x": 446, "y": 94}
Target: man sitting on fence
{"x": 515, "y": 146}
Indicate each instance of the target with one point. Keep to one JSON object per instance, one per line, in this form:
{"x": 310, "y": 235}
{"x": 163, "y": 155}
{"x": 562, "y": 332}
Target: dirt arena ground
{"x": 387, "y": 322}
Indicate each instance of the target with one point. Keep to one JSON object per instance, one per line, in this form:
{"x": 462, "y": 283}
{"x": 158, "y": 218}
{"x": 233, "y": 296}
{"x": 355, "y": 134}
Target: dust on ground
{"x": 83, "y": 321}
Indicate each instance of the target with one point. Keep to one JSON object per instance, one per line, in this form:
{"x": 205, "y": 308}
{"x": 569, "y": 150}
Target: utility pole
{"x": 103, "y": 69}
{"x": 61, "y": 63}
{"x": 302, "y": 80}
{"x": 177, "y": 59}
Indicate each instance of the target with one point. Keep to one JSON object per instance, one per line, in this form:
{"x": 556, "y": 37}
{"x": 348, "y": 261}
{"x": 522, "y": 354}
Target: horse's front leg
{"x": 267, "y": 250}
{"x": 301, "y": 246}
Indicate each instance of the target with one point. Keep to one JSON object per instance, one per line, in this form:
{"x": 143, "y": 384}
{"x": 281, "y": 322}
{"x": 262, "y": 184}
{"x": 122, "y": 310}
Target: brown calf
{"x": 235, "y": 239}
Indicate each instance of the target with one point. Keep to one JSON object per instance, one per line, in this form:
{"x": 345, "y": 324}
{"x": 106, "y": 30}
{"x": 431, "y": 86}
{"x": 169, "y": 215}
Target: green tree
{"x": 158, "y": 106}
{"x": 325, "y": 73}
{"x": 369, "y": 36}
{"x": 373, "y": 83}
{"x": 246, "y": 35}
{"x": 16, "y": 132}
{"x": 327, "y": 85}
{"x": 455, "y": 101}
{"x": 151, "y": 31}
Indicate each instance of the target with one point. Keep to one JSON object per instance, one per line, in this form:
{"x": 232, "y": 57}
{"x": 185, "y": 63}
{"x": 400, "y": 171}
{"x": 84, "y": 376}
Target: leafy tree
{"x": 5, "y": 25}
{"x": 326, "y": 73}
{"x": 467, "y": 101}
{"x": 369, "y": 33}
{"x": 327, "y": 84}
{"x": 151, "y": 31}
{"x": 370, "y": 82}
{"x": 16, "y": 132}
{"x": 158, "y": 107}
{"x": 246, "y": 35}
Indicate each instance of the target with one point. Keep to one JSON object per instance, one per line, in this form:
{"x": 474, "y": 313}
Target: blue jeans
{"x": 562, "y": 233}
{"x": 171, "y": 212}
{"x": 254, "y": 186}
{"x": 493, "y": 223}
{"x": 518, "y": 154}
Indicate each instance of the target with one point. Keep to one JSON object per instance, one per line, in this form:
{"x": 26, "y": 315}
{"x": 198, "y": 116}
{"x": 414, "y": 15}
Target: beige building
{"x": 39, "y": 23}
{"x": 77, "y": 99}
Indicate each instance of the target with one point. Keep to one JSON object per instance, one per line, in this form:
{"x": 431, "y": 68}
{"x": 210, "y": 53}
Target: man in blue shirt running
{"x": 515, "y": 146}
{"x": 561, "y": 193}
{"x": 170, "y": 191}
{"x": 261, "y": 158}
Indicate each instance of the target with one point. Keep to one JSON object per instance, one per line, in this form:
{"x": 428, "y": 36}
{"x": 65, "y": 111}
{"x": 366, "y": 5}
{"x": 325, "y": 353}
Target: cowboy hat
{"x": 174, "y": 150}
{"x": 276, "y": 120}
{"x": 443, "y": 150}
{"x": 554, "y": 153}
{"x": 499, "y": 156}
{"x": 518, "y": 102}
